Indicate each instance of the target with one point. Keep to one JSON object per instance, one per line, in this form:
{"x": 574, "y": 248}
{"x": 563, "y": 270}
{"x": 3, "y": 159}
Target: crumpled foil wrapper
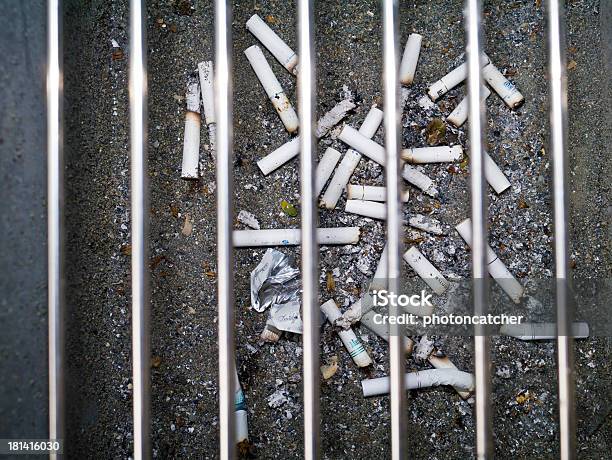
{"x": 274, "y": 281}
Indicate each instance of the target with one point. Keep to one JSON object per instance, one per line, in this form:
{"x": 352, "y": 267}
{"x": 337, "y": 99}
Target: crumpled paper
{"x": 274, "y": 281}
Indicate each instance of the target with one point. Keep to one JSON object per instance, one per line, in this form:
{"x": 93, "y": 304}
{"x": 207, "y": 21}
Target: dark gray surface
{"x": 23, "y": 281}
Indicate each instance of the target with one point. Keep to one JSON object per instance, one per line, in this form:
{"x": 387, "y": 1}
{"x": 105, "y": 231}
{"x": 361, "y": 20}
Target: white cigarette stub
{"x": 349, "y": 339}
{"x": 371, "y": 193}
{"x": 292, "y": 237}
{"x": 350, "y": 161}
{"x": 500, "y": 84}
{"x": 421, "y": 379}
{"x": 268, "y": 38}
{"x": 410, "y": 59}
{"x": 439, "y": 154}
{"x": 192, "y": 97}
{"x": 191, "y": 146}
{"x": 325, "y": 168}
{"x": 273, "y": 88}
{"x": 363, "y": 144}
{"x": 379, "y": 281}
{"x": 425, "y": 223}
{"x": 458, "y": 116}
{"x": 242, "y": 426}
{"x": 442, "y": 362}
{"x": 206, "y": 71}
{"x": 451, "y": 79}
{"x": 372, "y": 209}
{"x": 496, "y": 267}
{"x": 425, "y": 269}
{"x": 495, "y": 177}
{"x": 332, "y": 117}
{"x": 419, "y": 180}
{"x": 542, "y": 331}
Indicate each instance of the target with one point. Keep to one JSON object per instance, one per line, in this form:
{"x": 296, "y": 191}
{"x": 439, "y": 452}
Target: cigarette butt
{"x": 495, "y": 177}
{"x": 452, "y": 79}
{"x": 410, "y": 59}
{"x": 363, "y": 144}
{"x": 502, "y": 86}
{"x": 419, "y": 180}
{"x": 206, "y": 72}
{"x": 496, "y": 267}
{"x": 270, "y": 334}
{"x": 240, "y": 413}
{"x": 333, "y": 116}
{"x": 292, "y": 237}
{"x": 268, "y": 38}
{"x": 440, "y": 154}
{"x": 191, "y": 146}
{"x": 273, "y": 88}
{"x": 350, "y": 161}
{"x": 379, "y": 281}
{"x": 425, "y": 269}
{"x": 542, "y": 331}
{"x": 382, "y": 330}
{"x": 349, "y": 339}
{"x": 442, "y": 362}
{"x": 371, "y": 193}
{"x": 421, "y": 379}
{"x": 325, "y": 168}
{"x": 371, "y": 209}
{"x": 460, "y": 114}
{"x": 192, "y": 96}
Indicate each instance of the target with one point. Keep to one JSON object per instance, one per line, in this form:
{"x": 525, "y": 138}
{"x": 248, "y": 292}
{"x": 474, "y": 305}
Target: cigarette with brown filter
{"x": 425, "y": 269}
{"x": 206, "y": 72}
{"x": 542, "y": 331}
{"x": 371, "y": 209}
{"x": 460, "y": 114}
{"x": 502, "y": 86}
{"x": 495, "y": 266}
{"x": 372, "y": 193}
{"x": 349, "y": 339}
{"x": 268, "y": 38}
{"x": 421, "y": 379}
{"x": 419, "y": 180}
{"x": 350, "y": 161}
{"x": 439, "y": 154}
{"x": 410, "y": 59}
{"x": 453, "y": 78}
{"x": 325, "y": 168}
{"x": 292, "y": 237}
{"x": 363, "y": 144}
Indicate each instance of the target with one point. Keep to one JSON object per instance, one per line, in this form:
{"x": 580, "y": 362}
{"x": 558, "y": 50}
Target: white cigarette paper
{"x": 443, "y": 362}
{"x": 502, "y": 86}
{"x": 206, "y": 71}
{"x": 452, "y": 79}
{"x": 292, "y": 237}
{"x": 382, "y": 330}
{"x": 440, "y": 154}
{"x": 372, "y": 193}
{"x": 495, "y": 177}
{"x": 192, "y": 96}
{"x": 240, "y": 413}
{"x": 290, "y": 149}
{"x": 191, "y": 146}
{"x": 349, "y": 339}
{"x": 325, "y": 168}
{"x": 410, "y": 59}
{"x": 425, "y": 269}
{"x": 421, "y": 379}
{"x": 542, "y": 331}
{"x": 460, "y": 114}
{"x": 371, "y": 209}
{"x": 419, "y": 180}
{"x": 380, "y": 275}
{"x": 363, "y": 144}
{"x": 350, "y": 161}
{"x": 273, "y": 88}
{"x": 268, "y": 38}
{"x": 495, "y": 266}
{"x": 427, "y": 224}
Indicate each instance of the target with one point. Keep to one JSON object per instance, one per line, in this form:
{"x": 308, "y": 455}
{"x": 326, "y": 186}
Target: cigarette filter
{"x": 542, "y": 331}
{"x": 371, "y": 193}
{"x": 495, "y": 177}
{"x": 350, "y": 161}
{"x": 419, "y": 180}
{"x": 292, "y": 237}
{"x": 192, "y": 96}
{"x": 268, "y": 38}
{"x": 371, "y": 209}
{"x": 458, "y": 116}
{"x": 382, "y": 330}
{"x": 380, "y": 275}
{"x": 363, "y": 144}
{"x": 440, "y": 154}
{"x": 421, "y": 379}
{"x": 496, "y": 267}
{"x": 191, "y": 146}
{"x": 325, "y": 168}
{"x": 442, "y": 362}
{"x": 425, "y": 269}
{"x": 410, "y": 59}
{"x": 500, "y": 84}
{"x": 206, "y": 71}
{"x": 333, "y": 117}
{"x": 270, "y": 333}
{"x": 273, "y": 88}
{"x": 242, "y": 426}
{"x": 452, "y": 79}
{"x": 427, "y": 224}
{"x": 348, "y": 337}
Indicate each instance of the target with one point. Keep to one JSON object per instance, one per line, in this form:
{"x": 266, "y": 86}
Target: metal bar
{"x": 390, "y": 13}
{"x": 310, "y": 266}
{"x": 558, "y": 141}
{"x": 225, "y": 250}
{"x": 484, "y": 438}
{"x": 55, "y": 204}
{"x": 140, "y": 240}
